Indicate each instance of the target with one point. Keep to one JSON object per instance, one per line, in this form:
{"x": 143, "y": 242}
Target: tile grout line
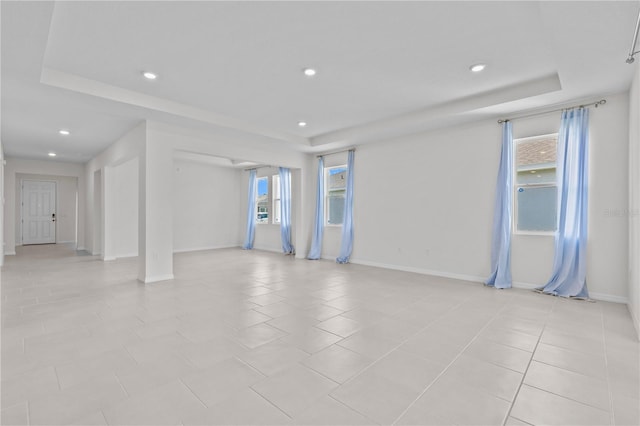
{"x": 450, "y": 364}
{"x": 612, "y": 415}
{"x": 400, "y": 344}
{"x": 192, "y": 393}
{"x": 271, "y": 403}
{"x": 352, "y": 409}
{"x": 515, "y": 397}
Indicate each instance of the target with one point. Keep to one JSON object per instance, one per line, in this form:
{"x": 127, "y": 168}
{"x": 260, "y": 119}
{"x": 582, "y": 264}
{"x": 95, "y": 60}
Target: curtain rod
{"x": 336, "y": 152}
{"x": 259, "y": 167}
{"x": 596, "y": 104}
{"x": 633, "y": 51}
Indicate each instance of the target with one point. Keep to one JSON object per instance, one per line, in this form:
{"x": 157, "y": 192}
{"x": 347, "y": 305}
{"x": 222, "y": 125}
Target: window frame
{"x": 327, "y": 175}
{"x": 516, "y": 186}
{"x": 275, "y": 181}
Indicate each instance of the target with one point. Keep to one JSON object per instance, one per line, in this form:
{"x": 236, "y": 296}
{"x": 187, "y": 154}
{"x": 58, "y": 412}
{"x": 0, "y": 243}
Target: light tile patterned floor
{"x": 249, "y": 337}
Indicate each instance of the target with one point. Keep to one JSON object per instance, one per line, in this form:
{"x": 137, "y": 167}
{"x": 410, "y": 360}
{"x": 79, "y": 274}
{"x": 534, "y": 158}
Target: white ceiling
{"x": 384, "y": 68}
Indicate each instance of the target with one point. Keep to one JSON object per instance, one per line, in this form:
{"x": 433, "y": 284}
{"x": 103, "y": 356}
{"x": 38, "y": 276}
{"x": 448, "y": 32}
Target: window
{"x": 536, "y": 186}
{"x": 262, "y": 201}
{"x": 275, "y": 190}
{"x": 335, "y": 189}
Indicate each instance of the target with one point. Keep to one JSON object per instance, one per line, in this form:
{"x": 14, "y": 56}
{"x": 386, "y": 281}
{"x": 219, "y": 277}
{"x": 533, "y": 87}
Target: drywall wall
{"x": 163, "y": 140}
{"x": 2, "y": 205}
{"x": 425, "y": 203}
{"x": 53, "y": 169}
{"x": 66, "y": 191}
{"x": 101, "y": 181}
{"x": 126, "y": 202}
{"x": 634, "y": 199}
{"x": 206, "y": 202}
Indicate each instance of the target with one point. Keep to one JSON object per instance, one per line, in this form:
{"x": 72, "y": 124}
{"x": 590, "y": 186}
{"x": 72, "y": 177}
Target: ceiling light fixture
{"x": 477, "y": 67}
{"x": 64, "y": 132}
{"x": 302, "y": 124}
{"x": 309, "y": 72}
{"x": 149, "y": 75}
{"x": 52, "y": 154}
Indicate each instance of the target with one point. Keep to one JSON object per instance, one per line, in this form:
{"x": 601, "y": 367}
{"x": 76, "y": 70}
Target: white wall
{"x": 55, "y": 170}
{"x": 425, "y": 203}
{"x": 66, "y": 191}
{"x": 233, "y": 145}
{"x": 2, "y": 202}
{"x": 206, "y": 206}
{"x": 634, "y": 199}
{"x": 107, "y": 231}
{"x": 126, "y": 182}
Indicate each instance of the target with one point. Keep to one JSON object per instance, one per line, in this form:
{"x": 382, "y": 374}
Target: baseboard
{"x": 422, "y": 271}
{"x": 122, "y": 256}
{"x": 206, "y": 248}
{"x": 65, "y": 242}
{"x": 609, "y": 298}
{"x": 10, "y": 253}
{"x": 634, "y": 319}
{"x": 108, "y": 258}
{"x": 271, "y": 249}
{"x": 81, "y": 248}
{"x": 474, "y": 278}
{"x": 148, "y": 280}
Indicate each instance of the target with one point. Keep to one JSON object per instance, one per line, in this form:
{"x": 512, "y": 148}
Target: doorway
{"x": 38, "y": 212}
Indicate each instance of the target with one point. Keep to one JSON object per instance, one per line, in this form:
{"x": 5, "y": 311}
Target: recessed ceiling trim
{"x": 428, "y": 118}
{"x": 87, "y": 86}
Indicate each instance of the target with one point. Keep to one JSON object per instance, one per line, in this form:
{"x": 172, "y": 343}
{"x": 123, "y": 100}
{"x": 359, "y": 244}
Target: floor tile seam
{"x": 612, "y": 415}
{"x": 566, "y": 397}
{"x": 528, "y": 365}
{"x": 321, "y": 374}
{"x": 455, "y": 358}
{"x": 352, "y": 409}
{"x": 115, "y": 374}
{"x": 192, "y": 392}
{"x": 251, "y": 389}
{"x": 571, "y": 371}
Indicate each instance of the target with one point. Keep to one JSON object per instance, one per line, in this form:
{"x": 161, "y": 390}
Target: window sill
{"x": 535, "y": 234}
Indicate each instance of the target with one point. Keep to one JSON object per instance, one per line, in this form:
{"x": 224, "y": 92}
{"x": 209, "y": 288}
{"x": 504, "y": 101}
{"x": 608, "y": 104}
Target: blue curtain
{"x": 568, "y": 278}
{"x": 346, "y": 246}
{"x": 251, "y": 212}
{"x": 501, "y": 243}
{"x": 318, "y": 229}
{"x": 285, "y": 210}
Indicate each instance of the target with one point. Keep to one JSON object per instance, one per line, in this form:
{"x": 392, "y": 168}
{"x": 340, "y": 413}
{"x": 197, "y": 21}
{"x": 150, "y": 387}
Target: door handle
{"x": 53, "y": 217}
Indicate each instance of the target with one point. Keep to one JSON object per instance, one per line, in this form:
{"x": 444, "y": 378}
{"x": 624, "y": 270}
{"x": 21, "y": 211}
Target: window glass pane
{"x": 537, "y": 208}
{"x": 337, "y": 178}
{"x": 535, "y": 151}
{"x": 335, "y": 207}
{"x": 262, "y": 201}
{"x": 537, "y": 176}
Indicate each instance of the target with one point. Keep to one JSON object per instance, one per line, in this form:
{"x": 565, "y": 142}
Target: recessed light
{"x": 543, "y": 152}
{"x": 52, "y": 154}
{"x": 477, "y": 67}
{"x": 309, "y": 72}
{"x": 64, "y": 132}
{"x": 302, "y": 124}
{"x": 533, "y": 171}
{"x": 149, "y": 75}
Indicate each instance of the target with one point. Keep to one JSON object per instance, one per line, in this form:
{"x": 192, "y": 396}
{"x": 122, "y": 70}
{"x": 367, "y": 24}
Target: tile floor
{"x": 260, "y": 338}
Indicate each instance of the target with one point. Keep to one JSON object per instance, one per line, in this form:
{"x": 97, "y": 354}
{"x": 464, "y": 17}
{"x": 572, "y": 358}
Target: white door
{"x": 38, "y": 212}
